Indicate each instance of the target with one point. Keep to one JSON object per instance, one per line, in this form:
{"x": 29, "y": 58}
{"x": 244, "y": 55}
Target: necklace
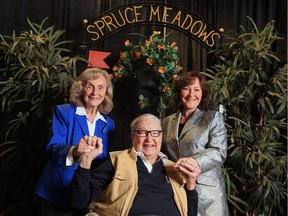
{"x": 183, "y": 119}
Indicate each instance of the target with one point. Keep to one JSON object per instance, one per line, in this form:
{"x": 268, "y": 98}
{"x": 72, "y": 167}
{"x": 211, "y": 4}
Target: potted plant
{"x": 256, "y": 115}
{"x": 36, "y": 74}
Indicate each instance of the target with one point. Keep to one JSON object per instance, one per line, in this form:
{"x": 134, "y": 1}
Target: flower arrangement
{"x": 160, "y": 55}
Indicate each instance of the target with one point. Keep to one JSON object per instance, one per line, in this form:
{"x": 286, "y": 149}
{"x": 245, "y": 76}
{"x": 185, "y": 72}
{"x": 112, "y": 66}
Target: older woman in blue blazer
{"x": 196, "y": 131}
{"x": 75, "y": 128}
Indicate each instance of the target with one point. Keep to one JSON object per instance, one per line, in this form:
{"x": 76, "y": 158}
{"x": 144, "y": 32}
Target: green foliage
{"x": 159, "y": 54}
{"x": 34, "y": 68}
{"x": 256, "y": 109}
{"x": 35, "y": 76}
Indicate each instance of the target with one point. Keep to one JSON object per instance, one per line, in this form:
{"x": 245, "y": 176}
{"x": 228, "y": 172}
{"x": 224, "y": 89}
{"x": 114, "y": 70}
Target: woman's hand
{"x": 86, "y": 144}
{"x": 95, "y": 148}
{"x": 189, "y": 169}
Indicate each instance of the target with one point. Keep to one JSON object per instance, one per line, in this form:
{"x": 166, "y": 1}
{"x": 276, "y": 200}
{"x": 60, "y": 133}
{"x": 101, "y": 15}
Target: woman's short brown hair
{"x": 76, "y": 90}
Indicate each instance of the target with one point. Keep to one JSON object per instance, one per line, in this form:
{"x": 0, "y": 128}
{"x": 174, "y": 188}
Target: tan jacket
{"x": 117, "y": 198}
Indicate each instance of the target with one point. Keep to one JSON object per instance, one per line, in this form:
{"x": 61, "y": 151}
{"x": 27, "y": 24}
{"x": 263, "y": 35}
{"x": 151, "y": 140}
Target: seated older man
{"x": 136, "y": 181}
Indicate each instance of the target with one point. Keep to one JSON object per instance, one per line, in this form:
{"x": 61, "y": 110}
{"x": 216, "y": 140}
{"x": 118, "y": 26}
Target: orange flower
{"x": 175, "y": 76}
{"x": 111, "y": 76}
{"x": 117, "y": 75}
{"x": 147, "y": 42}
{"x": 173, "y": 44}
{"x": 161, "y": 69}
{"x": 166, "y": 89}
{"x": 120, "y": 68}
{"x": 115, "y": 68}
{"x": 149, "y": 61}
{"x": 137, "y": 54}
{"x": 127, "y": 43}
{"x": 160, "y": 47}
{"x": 156, "y": 32}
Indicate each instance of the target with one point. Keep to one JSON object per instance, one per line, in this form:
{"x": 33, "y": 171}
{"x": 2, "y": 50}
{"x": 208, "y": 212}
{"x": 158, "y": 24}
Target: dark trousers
{"x": 50, "y": 209}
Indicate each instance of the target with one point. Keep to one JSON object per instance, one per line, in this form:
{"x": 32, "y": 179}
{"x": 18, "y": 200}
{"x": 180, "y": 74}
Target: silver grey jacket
{"x": 203, "y": 137}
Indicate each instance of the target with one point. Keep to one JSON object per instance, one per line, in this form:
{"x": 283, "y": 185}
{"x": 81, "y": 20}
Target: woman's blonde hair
{"x": 76, "y": 90}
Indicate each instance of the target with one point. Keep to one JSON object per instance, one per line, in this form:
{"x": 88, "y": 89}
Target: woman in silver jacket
{"x": 198, "y": 132}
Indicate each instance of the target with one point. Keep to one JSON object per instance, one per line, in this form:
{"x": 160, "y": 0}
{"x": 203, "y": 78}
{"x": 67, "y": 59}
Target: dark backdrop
{"x": 69, "y": 14}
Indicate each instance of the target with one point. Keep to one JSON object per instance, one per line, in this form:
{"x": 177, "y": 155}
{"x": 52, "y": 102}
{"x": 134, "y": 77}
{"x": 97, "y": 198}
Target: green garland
{"x": 158, "y": 53}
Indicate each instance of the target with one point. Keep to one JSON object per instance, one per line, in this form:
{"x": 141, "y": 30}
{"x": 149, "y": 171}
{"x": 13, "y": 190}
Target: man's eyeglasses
{"x": 144, "y": 133}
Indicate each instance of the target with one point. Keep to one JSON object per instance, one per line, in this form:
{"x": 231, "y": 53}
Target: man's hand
{"x": 189, "y": 169}
{"x": 95, "y": 148}
{"x": 86, "y": 144}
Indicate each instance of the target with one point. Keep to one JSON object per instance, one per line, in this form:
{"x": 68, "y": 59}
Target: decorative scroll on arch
{"x": 145, "y": 13}
{"x": 123, "y": 17}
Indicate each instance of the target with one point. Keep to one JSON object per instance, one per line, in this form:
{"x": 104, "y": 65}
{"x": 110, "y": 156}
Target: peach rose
{"x": 166, "y": 89}
{"x": 149, "y": 61}
{"x": 111, "y": 76}
{"x": 137, "y": 54}
{"x": 160, "y": 47}
{"x": 127, "y": 43}
{"x": 156, "y": 32}
{"x": 115, "y": 68}
{"x": 117, "y": 75}
{"x": 161, "y": 69}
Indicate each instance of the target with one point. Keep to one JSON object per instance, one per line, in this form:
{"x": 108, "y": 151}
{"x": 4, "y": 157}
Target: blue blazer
{"x": 67, "y": 129}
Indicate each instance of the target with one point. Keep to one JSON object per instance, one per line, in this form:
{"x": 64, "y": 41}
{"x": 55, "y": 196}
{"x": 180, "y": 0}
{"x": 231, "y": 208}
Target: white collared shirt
{"x": 147, "y": 163}
{"x": 91, "y": 125}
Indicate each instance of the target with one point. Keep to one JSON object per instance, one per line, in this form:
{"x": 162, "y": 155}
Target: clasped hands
{"x": 189, "y": 169}
{"x": 88, "y": 148}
